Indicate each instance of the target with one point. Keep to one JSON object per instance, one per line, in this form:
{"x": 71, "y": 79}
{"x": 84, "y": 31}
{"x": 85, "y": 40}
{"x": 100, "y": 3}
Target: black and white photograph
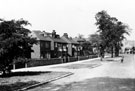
{"x": 67, "y": 45}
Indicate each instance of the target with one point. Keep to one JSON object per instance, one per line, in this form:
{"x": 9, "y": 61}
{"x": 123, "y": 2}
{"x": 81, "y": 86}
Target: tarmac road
{"x": 111, "y": 76}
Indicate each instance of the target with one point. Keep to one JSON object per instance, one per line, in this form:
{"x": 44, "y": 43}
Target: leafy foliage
{"x": 87, "y": 48}
{"x": 15, "y": 42}
{"x": 95, "y": 40}
{"x": 111, "y": 32}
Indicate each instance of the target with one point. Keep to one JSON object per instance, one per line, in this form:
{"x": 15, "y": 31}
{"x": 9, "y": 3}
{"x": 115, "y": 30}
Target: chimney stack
{"x": 66, "y": 35}
{"x": 53, "y": 34}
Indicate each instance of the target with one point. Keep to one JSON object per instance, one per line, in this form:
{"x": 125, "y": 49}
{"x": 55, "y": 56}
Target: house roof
{"x": 69, "y": 40}
{"x": 47, "y": 33}
{"x": 47, "y": 37}
{"x": 40, "y": 37}
{"x": 79, "y": 39}
{"x": 59, "y": 40}
{"x": 74, "y": 42}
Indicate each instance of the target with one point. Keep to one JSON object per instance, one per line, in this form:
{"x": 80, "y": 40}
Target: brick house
{"x": 73, "y": 46}
{"x": 50, "y": 45}
{"x": 80, "y": 41}
{"x": 43, "y": 48}
{"x": 58, "y": 45}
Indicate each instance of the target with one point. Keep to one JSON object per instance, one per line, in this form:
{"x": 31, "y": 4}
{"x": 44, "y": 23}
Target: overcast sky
{"x": 67, "y": 16}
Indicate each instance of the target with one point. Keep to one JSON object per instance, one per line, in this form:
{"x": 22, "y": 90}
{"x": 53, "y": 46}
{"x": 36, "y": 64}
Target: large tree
{"x": 111, "y": 31}
{"x": 15, "y": 42}
{"x": 120, "y": 29}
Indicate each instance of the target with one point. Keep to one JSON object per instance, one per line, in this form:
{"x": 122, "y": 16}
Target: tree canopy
{"x": 111, "y": 31}
{"x": 95, "y": 40}
{"x": 15, "y": 42}
{"x": 87, "y": 48}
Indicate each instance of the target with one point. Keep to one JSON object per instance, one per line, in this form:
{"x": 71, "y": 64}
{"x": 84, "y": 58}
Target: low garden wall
{"x": 43, "y": 62}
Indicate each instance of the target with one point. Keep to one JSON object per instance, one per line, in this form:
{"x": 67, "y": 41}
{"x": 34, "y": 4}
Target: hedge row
{"x": 43, "y": 62}
{"x": 83, "y": 57}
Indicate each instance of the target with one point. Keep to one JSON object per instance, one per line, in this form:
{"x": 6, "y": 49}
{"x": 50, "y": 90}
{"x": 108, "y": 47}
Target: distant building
{"x": 80, "y": 41}
{"x": 127, "y": 46}
{"x": 72, "y": 47}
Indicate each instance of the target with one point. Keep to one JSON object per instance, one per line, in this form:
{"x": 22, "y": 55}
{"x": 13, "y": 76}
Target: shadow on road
{"x": 28, "y": 73}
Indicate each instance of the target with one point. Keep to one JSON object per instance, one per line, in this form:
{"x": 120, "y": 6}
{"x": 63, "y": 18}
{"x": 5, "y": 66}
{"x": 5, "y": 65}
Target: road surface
{"x": 111, "y": 76}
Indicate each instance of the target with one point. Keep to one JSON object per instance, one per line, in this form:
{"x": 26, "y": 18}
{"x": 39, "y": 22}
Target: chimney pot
{"x": 66, "y": 35}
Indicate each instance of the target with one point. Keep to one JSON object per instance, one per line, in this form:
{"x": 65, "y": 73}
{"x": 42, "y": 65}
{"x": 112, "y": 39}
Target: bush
{"x": 72, "y": 59}
{"x": 42, "y": 62}
{"x": 94, "y": 56}
{"x": 19, "y": 65}
{"x": 83, "y": 57}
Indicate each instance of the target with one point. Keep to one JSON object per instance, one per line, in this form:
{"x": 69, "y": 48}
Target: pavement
{"x": 56, "y": 67}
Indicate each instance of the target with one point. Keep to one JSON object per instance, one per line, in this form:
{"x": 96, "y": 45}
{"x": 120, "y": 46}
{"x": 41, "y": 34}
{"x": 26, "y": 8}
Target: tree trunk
{"x": 3, "y": 72}
{"x": 102, "y": 53}
{"x": 117, "y": 50}
{"x": 112, "y": 51}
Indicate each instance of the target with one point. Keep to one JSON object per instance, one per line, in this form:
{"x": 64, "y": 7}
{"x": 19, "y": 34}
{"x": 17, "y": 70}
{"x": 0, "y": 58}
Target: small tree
{"x": 14, "y": 43}
{"x": 87, "y": 48}
{"x": 95, "y": 41}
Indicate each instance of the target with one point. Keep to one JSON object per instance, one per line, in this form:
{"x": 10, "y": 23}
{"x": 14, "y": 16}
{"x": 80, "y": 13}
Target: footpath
{"x": 57, "y": 67}
{"x": 72, "y": 68}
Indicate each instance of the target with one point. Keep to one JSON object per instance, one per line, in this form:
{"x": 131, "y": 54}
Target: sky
{"x": 68, "y": 16}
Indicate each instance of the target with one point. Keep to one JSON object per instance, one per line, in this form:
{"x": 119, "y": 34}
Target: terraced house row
{"x": 51, "y": 45}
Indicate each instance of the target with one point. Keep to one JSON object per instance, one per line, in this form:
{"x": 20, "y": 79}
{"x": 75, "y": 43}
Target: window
{"x": 55, "y": 45}
{"x": 47, "y": 45}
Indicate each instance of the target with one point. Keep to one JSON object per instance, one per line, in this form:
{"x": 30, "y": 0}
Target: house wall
{"x": 36, "y": 53}
{"x": 69, "y": 45}
{"x": 70, "y": 49}
{"x": 45, "y": 49}
{"x": 52, "y": 45}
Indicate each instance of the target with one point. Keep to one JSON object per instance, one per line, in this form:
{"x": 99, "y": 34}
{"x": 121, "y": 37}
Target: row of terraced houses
{"x": 52, "y": 45}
